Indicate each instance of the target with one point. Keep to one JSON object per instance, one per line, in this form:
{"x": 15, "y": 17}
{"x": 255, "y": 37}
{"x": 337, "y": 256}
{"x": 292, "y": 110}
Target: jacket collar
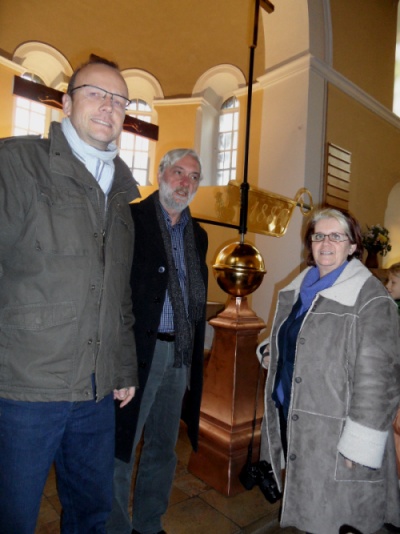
{"x": 62, "y": 161}
{"x": 346, "y": 288}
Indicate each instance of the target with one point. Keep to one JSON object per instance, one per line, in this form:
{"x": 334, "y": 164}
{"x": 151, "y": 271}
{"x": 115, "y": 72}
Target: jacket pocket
{"x": 62, "y": 219}
{"x": 38, "y": 346}
{"x": 357, "y": 472}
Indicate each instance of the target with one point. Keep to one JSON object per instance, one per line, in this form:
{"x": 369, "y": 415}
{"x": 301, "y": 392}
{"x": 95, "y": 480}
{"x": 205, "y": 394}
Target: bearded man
{"x": 169, "y": 289}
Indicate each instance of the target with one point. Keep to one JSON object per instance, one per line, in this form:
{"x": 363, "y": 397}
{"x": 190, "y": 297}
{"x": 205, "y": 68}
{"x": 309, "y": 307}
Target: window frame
{"x": 135, "y": 149}
{"x": 228, "y": 141}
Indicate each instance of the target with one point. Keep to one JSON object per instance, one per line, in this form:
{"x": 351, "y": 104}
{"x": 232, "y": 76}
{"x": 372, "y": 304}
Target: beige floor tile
{"x": 181, "y": 469}
{"x": 243, "y": 509}
{"x": 55, "y": 502}
{"x": 197, "y": 517}
{"x": 190, "y": 485}
{"x": 47, "y": 512}
{"x": 177, "y": 495}
{"x": 50, "y": 487}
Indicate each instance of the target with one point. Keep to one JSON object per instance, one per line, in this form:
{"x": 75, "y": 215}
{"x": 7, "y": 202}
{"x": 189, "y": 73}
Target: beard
{"x": 167, "y": 197}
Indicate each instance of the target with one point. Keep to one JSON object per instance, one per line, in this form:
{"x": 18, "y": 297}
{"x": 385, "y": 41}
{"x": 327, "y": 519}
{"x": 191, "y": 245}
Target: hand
{"x": 265, "y": 360}
{"x": 262, "y": 352}
{"x": 125, "y": 395}
{"x": 349, "y": 463}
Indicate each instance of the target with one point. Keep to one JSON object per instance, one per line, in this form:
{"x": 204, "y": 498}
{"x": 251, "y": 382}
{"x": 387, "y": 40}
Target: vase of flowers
{"x": 376, "y": 241}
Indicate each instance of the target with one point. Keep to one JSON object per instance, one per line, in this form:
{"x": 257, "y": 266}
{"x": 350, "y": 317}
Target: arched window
{"x": 45, "y": 65}
{"x": 137, "y": 151}
{"x": 134, "y": 149}
{"x": 29, "y": 116}
{"x": 218, "y": 122}
{"x": 228, "y": 141}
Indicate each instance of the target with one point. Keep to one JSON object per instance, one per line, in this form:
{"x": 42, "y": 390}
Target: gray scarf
{"x": 184, "y": 322}
{"x": 100, "y": 163}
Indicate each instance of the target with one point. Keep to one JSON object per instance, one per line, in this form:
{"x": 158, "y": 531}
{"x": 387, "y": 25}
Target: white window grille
{"x": 29, "y": 116}
{"x": 228, "y": 141}
{"x": 134, "y": 149}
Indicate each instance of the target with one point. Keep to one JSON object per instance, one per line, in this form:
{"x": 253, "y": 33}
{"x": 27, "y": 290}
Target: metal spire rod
{"x": 244, "y": 188}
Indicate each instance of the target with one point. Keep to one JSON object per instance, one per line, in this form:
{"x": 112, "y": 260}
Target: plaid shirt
{"x": 176, "y": 232}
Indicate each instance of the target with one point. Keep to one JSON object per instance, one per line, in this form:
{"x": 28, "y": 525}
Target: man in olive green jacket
{"x": 66, "y": 323}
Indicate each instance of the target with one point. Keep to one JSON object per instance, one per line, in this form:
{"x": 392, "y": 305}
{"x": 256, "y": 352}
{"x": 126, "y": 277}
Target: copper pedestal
{"x": 228, "y": 402}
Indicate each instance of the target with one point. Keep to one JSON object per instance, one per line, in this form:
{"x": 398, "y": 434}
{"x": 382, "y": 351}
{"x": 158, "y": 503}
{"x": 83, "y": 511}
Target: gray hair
{"x": 332, "y": 213}
{"x": 171, "y": 157}
{"x": 349, "y": 224}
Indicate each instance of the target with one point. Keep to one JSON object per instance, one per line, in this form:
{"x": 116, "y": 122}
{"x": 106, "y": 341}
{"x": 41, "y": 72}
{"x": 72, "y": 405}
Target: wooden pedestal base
{"x": 228, "y": 402}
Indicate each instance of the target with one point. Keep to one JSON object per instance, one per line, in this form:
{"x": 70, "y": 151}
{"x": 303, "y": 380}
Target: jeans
{"x": 159, "y": 415}
{"x": 79, "y": 438}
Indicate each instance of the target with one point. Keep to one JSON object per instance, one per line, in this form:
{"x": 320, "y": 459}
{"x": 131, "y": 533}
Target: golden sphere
{"x": 239, "y": 269}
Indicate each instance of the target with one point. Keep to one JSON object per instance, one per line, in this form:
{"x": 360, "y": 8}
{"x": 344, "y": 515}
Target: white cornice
{"x": 307, "y": 62}
{"x": 199, "y": 100}
{"x": 189, "y": 101}
{"x": 243, "y": 91}
{"x": 355, "y": 92}
{"x": 11, "y": 65}
{"x": 285, "y": 70}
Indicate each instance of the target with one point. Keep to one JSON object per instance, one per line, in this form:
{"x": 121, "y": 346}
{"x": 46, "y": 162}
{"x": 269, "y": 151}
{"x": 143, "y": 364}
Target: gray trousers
{"x": 159, "y": 419}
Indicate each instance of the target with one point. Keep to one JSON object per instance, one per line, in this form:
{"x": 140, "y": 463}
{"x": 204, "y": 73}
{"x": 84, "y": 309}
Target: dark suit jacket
{"x": 149, "y": 280}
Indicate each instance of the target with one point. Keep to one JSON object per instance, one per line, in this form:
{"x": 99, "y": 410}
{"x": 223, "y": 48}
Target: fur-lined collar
{"x": 346, "y": 288}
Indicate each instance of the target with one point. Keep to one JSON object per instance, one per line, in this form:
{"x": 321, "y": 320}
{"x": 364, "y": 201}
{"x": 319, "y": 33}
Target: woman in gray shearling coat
{"x": 333, "y": 388}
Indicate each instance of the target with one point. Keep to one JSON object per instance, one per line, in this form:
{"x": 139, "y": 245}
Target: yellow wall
{"x": 364, "y": 42}
{"x": 176, "y": 127}
{"x": 374, "y": 145}
{"x": 6, "y": 99}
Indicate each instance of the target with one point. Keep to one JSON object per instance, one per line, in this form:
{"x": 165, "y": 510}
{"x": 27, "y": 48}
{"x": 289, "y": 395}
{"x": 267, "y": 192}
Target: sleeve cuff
{"x": 363, "y": 445}
{"x": 260, "y": 352}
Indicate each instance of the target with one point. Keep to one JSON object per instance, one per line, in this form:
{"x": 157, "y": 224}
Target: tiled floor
{"x": 195, "y": 508}
{"x": 192, "y": 503}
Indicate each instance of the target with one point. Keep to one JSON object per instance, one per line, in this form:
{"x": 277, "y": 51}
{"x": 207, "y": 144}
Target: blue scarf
{"x": 313, "y": 284}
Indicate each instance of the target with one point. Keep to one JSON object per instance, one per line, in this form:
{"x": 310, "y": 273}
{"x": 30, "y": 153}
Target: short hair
{"x": 349, "y": 224}
{"x": 171, "y": 157}
{"x": 93, "y": 60}
{"x": 394, "y": 269}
